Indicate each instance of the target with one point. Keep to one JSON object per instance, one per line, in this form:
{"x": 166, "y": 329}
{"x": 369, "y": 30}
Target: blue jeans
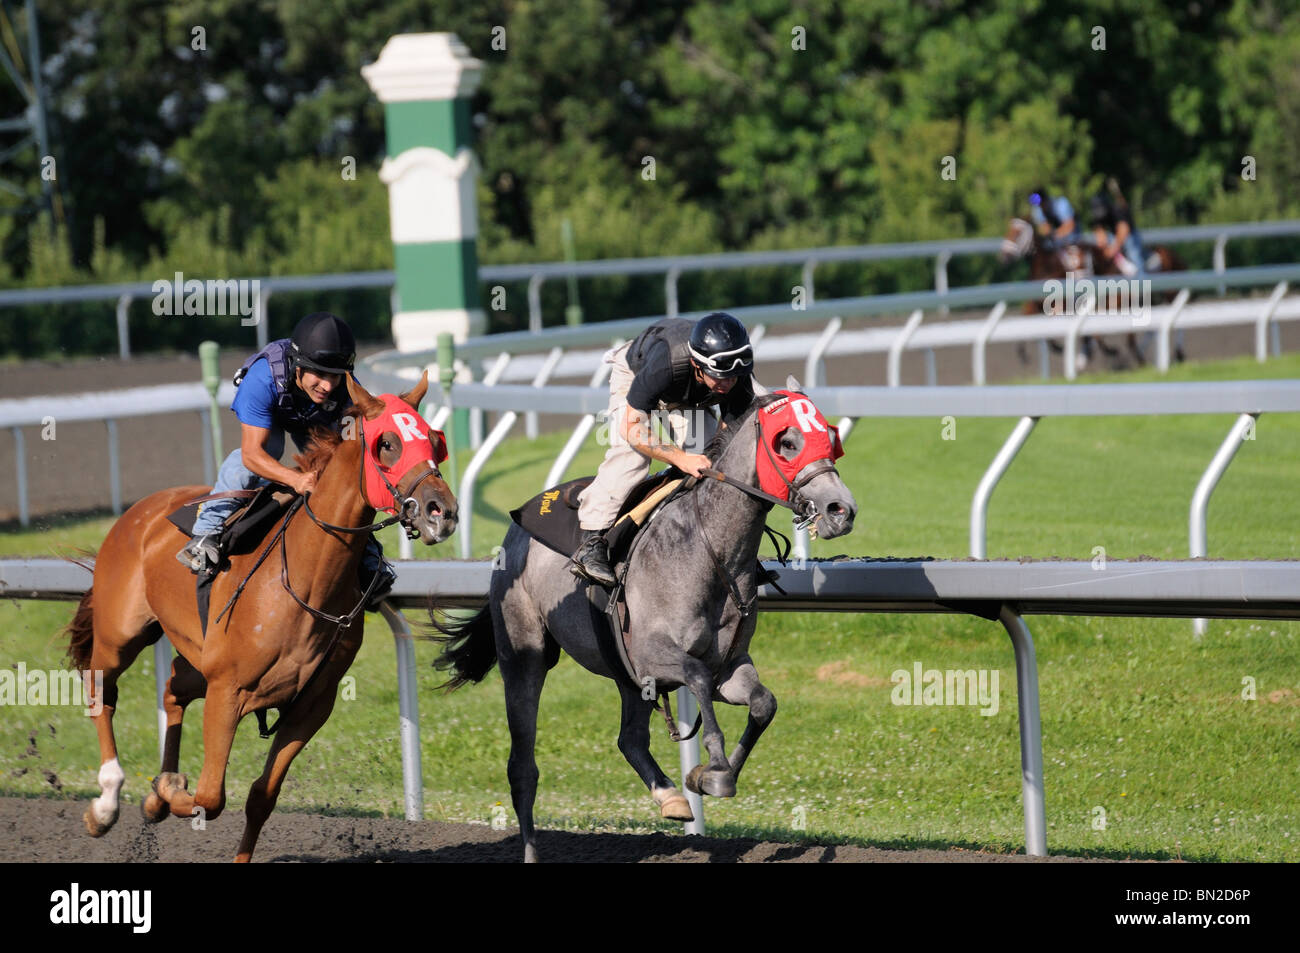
{"x": 233, "y": 475}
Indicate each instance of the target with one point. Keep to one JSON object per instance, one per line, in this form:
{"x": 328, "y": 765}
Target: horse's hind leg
{"x": 220, "y": 719}
{"x": 742, "y": 687}
{"x": 524, "y": 673}
{"x": 634, "y": 742}
{"x": 109, "y": 658}
{"x": 185, "y": 685}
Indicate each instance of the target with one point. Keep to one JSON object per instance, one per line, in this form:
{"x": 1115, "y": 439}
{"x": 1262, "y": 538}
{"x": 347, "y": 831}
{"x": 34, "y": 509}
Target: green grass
{"x": 1139, "y": 718}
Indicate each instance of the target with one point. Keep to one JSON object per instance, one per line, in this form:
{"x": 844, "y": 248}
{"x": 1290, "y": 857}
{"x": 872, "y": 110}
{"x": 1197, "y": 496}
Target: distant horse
{"x": 1083, "y": 259}
{"x": 289, "y": 637}
{"x": 691, "y": 594}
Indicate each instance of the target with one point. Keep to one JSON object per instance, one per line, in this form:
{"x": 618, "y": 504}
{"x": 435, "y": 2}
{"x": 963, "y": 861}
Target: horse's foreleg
{"x": 185, "y": 685}
{"x": 297, "y": 727}
{"x": 742, "y": 687}
{"x": 634, "y": 742}
{"x": 716, "y": 777}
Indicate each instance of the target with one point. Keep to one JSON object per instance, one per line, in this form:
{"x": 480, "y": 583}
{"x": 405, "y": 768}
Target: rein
{"x": 405, "y": 510}
{"x": 805, "y": 511}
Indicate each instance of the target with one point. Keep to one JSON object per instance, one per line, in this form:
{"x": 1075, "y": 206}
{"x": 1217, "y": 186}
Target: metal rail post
{"x": 408, "y": 703}
{"x": 123, "y": 332}
{"x": 895, "y": 366}
{"x": 1164, "y": 348}
{"x": 114, "y": 468}
{"x": 1031, "y": 731}
{"x": 978, "y": 364}
{"x": 980, "y": 504}
{"x": 263, "y": 318}
{"x": 465, "y": 494}
{"x": 1198, "y": 542}
{"x": 670, "y": 291}
{"x": 20, "y": 459}
{"x": 162, "y": 663}
{"x": 812, "y": 367}
{"x": 1261, "y": 324}
{"x": 535, "y": 303}
{"x": 580, "y": 432}
{"x": 543, "y": 375}
{"x": 687, "y": 709}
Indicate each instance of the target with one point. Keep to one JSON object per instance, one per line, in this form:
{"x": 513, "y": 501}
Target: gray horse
{"x": 686, "y": 627}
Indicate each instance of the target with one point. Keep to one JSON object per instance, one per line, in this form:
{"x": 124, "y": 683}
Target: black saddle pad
{"x": 247, "y": 527}
{"x": 551, "y": 517}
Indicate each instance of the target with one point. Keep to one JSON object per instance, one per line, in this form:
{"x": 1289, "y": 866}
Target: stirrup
{"x": 201, "y": 554}
{"x": 592, "y": 544}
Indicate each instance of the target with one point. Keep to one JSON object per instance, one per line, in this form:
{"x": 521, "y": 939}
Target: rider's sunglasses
{"x": 725, "y": 362}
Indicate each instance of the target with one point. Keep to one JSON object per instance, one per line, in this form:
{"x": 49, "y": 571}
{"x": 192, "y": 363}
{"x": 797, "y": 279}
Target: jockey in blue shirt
{"x": 1054, "y": 217}
{"x": 290, "y": 386}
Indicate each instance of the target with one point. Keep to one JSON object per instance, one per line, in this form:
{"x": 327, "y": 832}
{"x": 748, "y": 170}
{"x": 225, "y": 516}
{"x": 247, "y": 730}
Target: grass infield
{"x": 1151, "y": 747}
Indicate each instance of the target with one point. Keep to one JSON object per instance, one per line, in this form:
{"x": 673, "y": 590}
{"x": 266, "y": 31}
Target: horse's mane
{"x": 730, "y": 425}
{"x": 321, "y": 446}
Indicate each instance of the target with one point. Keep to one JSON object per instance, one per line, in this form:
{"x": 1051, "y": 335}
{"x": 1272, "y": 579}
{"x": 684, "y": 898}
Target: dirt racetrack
{"x": 44, "y": 830}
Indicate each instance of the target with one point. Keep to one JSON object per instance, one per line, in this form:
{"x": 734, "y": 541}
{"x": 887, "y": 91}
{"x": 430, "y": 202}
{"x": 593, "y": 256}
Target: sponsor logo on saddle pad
{"x": 548, "y": 498}
{"x": 77, "y": 906}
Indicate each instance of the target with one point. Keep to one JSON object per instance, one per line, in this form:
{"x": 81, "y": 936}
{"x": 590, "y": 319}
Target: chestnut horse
{"x": 269, "y": 650}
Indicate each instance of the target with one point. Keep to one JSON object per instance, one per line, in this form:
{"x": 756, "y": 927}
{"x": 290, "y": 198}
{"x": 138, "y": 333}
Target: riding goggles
{"x": 724, "y": 363}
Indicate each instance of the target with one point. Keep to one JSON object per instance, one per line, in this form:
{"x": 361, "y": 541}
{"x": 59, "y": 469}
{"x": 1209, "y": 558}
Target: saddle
{"x": 244, "y": 531}
{"x": 551, "y": 518}
{"x": 247, "y": 526}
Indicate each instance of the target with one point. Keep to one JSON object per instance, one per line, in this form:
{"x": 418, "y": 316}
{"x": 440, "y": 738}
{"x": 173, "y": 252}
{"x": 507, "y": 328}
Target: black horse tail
{"x": 468, "y": 646}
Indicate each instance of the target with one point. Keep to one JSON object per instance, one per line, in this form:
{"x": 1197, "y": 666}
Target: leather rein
{"x": 804, "y": 510}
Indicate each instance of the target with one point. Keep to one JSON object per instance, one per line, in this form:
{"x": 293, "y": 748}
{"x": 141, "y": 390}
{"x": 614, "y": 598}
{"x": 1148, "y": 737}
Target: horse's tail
{"x": 81, "y": 634}
{"x": 468, "y": 646}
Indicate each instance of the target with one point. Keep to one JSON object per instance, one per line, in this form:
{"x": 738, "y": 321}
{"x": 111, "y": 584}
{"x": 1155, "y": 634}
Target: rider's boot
{"x": 382, "y": 588}
{"x": 201, "y": 554}
{"x": 373, "y": 563}
{"x": 591, "y": 561}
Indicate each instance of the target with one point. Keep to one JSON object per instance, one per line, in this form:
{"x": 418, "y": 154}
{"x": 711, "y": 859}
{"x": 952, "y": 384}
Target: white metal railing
{"x": 671, "y": 267}
{"x": 396, "y": 372}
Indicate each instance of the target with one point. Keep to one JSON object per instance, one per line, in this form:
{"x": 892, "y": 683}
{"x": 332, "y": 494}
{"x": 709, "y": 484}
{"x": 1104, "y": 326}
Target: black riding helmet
{"x": 323, "y": 342}
{"x": 720, "y": 346}
{"x": 1099, "y": 208}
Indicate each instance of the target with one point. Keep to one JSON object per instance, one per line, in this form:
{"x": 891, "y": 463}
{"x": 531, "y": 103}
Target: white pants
{"x": 623, "y": 466}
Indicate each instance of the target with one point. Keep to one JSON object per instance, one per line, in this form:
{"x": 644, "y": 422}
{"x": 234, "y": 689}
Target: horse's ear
{"x": 793, "y": 385}
{"x": 370, "y": 407}
{"x": 416, "y": 393}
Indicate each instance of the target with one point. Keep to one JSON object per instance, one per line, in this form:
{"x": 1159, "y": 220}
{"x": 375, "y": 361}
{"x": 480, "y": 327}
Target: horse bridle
{"x": 804, "y": 509}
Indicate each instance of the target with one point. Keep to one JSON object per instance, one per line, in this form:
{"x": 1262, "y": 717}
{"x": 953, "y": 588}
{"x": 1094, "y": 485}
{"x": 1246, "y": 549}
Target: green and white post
{"x": 425, "y": 81}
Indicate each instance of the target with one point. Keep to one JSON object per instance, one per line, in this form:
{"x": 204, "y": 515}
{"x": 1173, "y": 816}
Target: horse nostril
{"x": 836, "y": 510}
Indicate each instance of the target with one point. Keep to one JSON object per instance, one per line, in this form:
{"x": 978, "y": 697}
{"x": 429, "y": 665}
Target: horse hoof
{"x": 701, "y": 780}
{"x": 96, "y": 827}
{"x": 675, "y": 807}
{"x": 168, "y": 784}
{"x": 154, "y": 808}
